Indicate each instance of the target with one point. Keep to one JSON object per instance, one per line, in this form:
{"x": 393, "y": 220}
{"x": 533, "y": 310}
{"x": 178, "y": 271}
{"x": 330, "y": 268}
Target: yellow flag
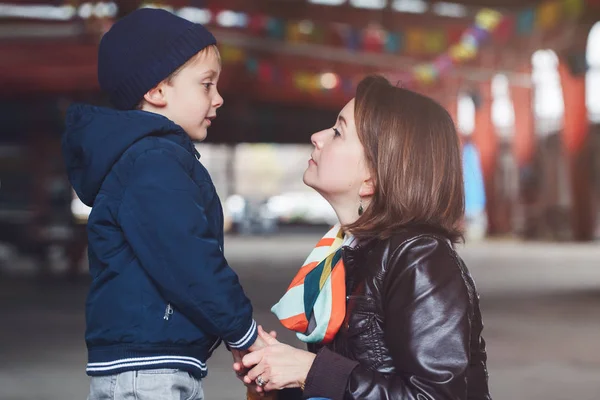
{"x": 302, "y": 81}
{"x": 488, "y": 19}
{"x": 548, "y": 14}
{"x": 292, "y": 33}
{"x": 415, "y": 40}
{"x": 435, "y": 42}
{"x": 573, "y": 8}
{"x": 231, "y": 54}
{"x": 425, "y": 73}
{"x": 463, "y": 52}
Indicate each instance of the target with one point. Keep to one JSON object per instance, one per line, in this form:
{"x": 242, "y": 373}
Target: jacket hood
{"x": 95, "y": 139}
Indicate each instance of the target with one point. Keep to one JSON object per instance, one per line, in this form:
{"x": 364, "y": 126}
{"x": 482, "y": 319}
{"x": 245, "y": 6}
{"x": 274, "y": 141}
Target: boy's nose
{"x": 218, "y": 100}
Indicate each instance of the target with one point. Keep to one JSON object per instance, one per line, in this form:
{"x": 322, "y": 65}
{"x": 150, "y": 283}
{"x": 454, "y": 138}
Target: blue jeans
{"x": 153, "y": 384}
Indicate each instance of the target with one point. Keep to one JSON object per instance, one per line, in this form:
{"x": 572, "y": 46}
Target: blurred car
{"x": 247, "y": 216}
{"x": 301, "y": 208}
{"x": 35, "y": 214}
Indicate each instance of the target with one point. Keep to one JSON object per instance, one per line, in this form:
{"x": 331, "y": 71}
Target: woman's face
{"x": 337, "y": 167}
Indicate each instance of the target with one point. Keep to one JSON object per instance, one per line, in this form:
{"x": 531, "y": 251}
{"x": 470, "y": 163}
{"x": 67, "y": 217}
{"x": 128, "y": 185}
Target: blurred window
{"x": 450, "y": 9}
{"x": 373, "y": 4}
{"x": 593, "y": 75}
{"x": 197, "y": 15}
{"x": 328, "y": 2}
{"x": 548, "y": 97}
{"x": 466, "y": 114}
{"x": 503, "y": 112}
{"x": 410, "y": 6}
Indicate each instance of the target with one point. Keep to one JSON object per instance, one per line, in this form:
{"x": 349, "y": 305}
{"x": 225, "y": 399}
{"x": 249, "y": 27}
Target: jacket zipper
{"x": 214, "y": 345}
{"x": 168, "y": 312}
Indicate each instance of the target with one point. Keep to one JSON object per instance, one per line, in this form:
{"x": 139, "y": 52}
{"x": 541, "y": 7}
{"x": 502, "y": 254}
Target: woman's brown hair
{"x": 413, "y": 151}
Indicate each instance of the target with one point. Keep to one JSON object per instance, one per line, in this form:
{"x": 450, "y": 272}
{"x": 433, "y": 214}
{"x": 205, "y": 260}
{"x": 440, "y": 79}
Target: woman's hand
{"x": 238, "y": 366}
{"x": 278, "y": 365}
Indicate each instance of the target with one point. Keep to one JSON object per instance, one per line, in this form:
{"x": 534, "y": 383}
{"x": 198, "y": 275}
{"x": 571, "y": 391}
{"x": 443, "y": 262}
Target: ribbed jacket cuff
{"x": 328, "y": 376}
{"x": 247, "y": 338}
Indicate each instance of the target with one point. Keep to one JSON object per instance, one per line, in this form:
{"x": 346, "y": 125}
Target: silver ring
{"x": 260, "y": 381}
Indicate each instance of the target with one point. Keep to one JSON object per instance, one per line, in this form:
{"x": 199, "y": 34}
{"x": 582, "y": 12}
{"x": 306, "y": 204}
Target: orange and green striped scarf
{"x": 314, "y": 304}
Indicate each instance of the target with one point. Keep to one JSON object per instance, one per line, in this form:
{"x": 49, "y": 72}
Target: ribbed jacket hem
{"x": 110, "y": 360}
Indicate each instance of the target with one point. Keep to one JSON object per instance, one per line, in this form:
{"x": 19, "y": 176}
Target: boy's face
{"x": 191, "y": 97}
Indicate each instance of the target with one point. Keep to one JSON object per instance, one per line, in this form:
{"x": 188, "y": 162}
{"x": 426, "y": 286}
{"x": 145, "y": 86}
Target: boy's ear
{"x": 156, "y": 96}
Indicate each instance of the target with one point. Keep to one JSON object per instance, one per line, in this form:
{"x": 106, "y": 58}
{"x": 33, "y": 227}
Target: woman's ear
{"x": 367, "y": 188}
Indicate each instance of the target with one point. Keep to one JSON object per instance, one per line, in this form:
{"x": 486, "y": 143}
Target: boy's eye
{"x": 208, "y": 85}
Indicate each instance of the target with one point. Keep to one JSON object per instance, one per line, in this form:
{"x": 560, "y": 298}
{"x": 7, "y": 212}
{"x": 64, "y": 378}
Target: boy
{"x": 162, "y": 294}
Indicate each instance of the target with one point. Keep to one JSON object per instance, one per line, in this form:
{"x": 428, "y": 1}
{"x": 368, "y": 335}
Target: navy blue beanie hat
{"x": 142, "y": 49}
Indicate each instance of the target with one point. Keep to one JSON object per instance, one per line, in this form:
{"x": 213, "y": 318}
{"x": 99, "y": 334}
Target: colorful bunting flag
{"x": 488, "y": 24}
{"x": 525, "y": 21}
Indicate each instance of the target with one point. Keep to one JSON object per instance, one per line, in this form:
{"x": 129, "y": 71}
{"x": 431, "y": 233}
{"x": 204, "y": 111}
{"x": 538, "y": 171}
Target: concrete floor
{"x": 540, "y": 302}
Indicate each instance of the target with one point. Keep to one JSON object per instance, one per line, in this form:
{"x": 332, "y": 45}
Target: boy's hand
{"x": 260, "y": 342}
{"x": 241, "y": 371}
{"x": 237, "y": 361}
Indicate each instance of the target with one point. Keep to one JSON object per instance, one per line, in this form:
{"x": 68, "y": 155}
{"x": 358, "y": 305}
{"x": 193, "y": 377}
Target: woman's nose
{"x": 317, "y": 139}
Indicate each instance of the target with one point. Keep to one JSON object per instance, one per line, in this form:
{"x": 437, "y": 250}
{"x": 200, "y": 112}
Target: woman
{"x": 387, "y": 306}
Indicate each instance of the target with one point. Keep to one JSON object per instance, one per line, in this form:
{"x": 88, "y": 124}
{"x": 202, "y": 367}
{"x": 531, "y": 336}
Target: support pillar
{"x": 577, "y": 151}
{"x": 486, "y": 141}
{"x": 524, "y": 149}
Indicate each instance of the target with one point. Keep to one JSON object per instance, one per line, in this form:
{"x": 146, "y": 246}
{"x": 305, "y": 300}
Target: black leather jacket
{"x": 412, "y": 328}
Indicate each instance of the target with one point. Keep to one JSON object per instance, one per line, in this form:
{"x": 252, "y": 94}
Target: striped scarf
{"x": 315, "y": 302}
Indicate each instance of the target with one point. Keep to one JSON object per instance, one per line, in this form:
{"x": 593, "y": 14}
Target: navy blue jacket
{"x": 162, "y": 294}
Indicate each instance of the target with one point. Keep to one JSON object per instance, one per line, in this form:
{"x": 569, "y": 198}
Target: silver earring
{"x": 360, "y": 208}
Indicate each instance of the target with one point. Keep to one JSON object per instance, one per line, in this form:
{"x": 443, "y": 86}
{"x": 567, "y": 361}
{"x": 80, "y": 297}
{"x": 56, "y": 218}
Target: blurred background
{"x": 521, "y": 78}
